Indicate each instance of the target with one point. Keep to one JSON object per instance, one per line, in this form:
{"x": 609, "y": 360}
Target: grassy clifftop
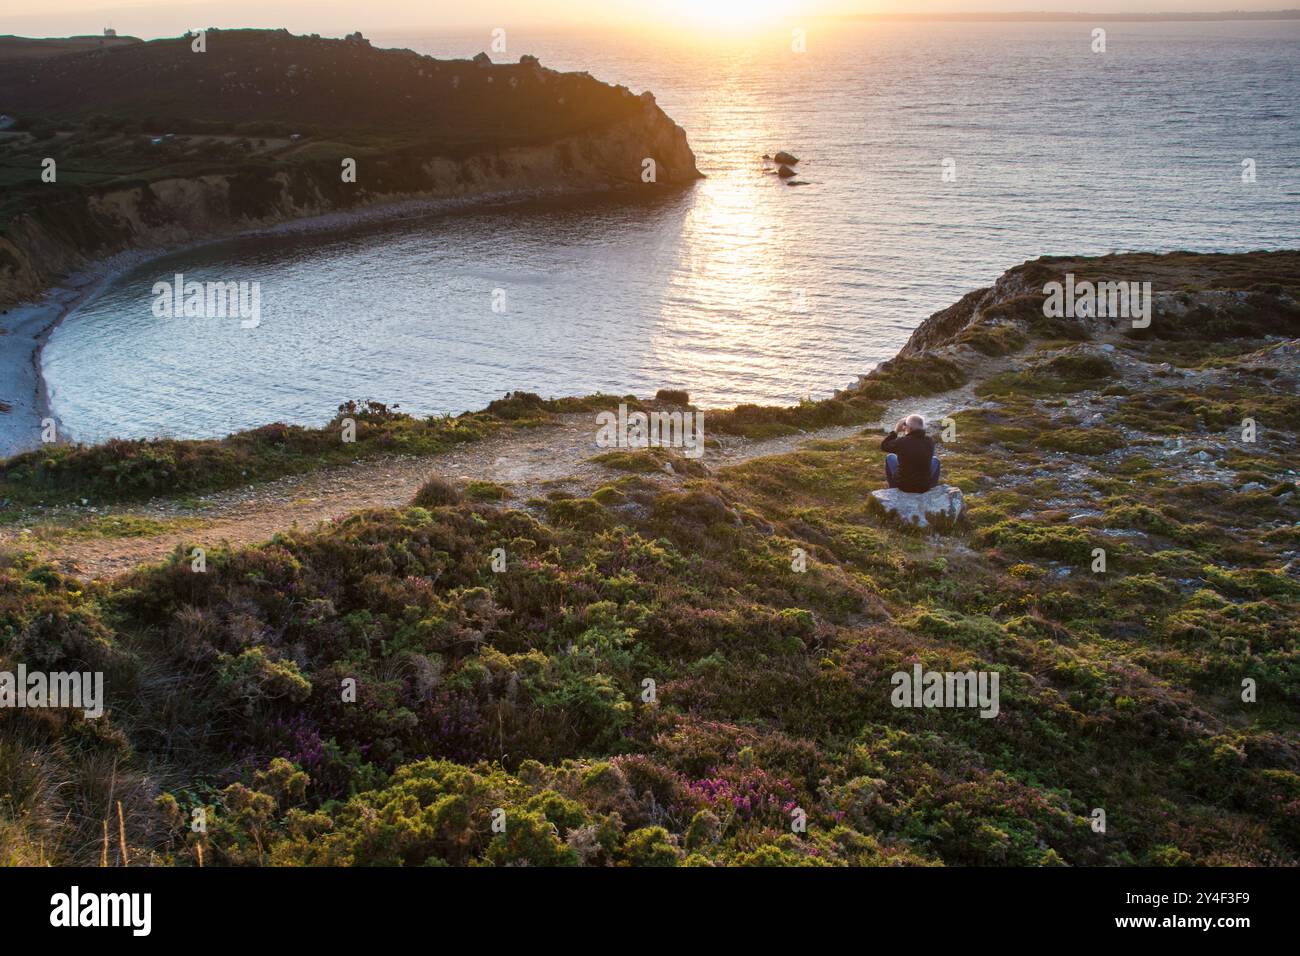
{"x": 524, "y": 689}
{"x": 38, "y": 48}
{"x": 274, "y": 80}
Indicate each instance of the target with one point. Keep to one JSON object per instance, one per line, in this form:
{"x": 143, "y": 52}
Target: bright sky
{"x": 152, "y": 18}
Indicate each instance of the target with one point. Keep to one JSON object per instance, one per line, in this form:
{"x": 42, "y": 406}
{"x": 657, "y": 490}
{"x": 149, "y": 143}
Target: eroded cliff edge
{"x": 169, "y": 146}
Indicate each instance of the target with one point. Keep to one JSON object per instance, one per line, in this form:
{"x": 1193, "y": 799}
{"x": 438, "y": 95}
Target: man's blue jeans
{"x": 891, "y": 470}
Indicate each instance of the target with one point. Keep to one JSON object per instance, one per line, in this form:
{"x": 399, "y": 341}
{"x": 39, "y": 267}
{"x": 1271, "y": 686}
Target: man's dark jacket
{"x": 914, "y": 451}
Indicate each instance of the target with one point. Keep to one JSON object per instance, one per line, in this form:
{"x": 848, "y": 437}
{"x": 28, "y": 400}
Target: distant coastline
{"x": 1078, "y": 17}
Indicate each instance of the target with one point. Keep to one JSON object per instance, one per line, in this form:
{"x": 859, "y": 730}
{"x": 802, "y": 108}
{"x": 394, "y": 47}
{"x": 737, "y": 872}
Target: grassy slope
{"x": 523, "y": 690}
{"x": 308, "y": 83}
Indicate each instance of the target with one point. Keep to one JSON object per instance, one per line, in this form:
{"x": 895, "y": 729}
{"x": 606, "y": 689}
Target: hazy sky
{"x": 151, "y": 18}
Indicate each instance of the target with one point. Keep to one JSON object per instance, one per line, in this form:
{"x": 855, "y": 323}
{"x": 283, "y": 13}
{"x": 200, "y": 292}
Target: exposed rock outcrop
{"x": 941, "y": 507}
{"x": 1191, "y": 294}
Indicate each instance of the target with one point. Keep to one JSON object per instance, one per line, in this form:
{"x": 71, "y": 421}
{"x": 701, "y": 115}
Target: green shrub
{"x": 485, "y": 491}
{"x": 650, "y": 846}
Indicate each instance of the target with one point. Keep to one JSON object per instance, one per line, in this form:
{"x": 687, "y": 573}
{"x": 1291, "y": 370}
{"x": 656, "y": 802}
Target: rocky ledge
{"x": 941, "y": 507}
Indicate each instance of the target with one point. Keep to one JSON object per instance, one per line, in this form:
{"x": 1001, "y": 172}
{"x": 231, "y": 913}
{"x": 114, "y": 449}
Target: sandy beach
{"x": 26, "y": 328}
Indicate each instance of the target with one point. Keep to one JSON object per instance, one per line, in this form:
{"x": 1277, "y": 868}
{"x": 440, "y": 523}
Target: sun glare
{"x": 734, "y": 13}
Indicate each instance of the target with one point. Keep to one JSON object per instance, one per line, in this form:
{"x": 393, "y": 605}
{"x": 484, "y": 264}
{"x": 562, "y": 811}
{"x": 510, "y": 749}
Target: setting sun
{"x": 734, "y": 13}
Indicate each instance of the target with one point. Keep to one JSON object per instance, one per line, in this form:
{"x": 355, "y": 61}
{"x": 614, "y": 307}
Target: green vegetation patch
{"x": 1093, "y": 440}
{"x": 1071, "y": 372}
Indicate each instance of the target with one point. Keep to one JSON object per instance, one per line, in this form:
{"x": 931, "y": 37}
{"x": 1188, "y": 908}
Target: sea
{"x": 936, "y": 155}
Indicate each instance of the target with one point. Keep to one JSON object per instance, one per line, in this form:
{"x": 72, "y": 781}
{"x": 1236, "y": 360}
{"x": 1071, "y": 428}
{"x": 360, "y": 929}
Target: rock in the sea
{"x": 786, "y": 159}
{"x": 785, "y": 172}
{"x": 941, "y": 506}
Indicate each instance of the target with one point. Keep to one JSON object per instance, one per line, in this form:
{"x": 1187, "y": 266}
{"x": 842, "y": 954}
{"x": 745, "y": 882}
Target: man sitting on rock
{"x": 910, "y": 464}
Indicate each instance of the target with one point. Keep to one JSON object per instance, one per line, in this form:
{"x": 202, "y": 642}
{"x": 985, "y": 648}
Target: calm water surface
{"x": 738, "y": 289}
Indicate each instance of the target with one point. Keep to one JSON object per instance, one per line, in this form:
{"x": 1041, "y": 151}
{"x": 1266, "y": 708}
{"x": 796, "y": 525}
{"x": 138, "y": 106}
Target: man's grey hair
{"x": 916, "y": 422}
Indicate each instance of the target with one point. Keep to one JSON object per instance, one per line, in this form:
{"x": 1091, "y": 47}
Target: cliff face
{"x": 467, "y": 137}
{"x": 65, "y": 235}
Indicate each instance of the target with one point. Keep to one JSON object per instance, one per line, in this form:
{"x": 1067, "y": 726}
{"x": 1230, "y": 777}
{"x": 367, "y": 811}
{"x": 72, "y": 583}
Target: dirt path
{"x": 529, "y": 463}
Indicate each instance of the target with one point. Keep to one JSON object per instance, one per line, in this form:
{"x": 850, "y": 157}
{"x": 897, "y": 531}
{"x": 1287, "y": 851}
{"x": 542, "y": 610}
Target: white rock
{"x": 943, "y": 504}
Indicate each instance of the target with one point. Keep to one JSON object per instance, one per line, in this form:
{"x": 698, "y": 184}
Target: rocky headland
{"x": 157, "y": 145}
